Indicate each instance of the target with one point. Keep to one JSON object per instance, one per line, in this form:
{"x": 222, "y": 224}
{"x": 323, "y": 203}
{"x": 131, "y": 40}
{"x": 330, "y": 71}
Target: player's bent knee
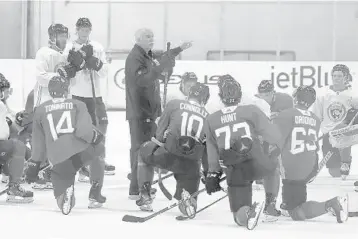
{"x": 240, "y": 216}
{"x": 297, "y": 214}
{"x": 146, "y": 150}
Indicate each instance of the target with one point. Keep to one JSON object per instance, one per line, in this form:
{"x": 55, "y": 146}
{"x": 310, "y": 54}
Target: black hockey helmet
{"x": 229, "y": 90}
{"x": 304, "y": 95}
{"x": 58, "y": 87}
{"x": 83, "y": 22}
{"x": 265, "y": 86}
{"x": 200, "y": 92}
{"x": 56, "y": 29}
{"x": 343, "y": 68}
{"x": 189, "y": 76}
{"x": 185, "y": 78}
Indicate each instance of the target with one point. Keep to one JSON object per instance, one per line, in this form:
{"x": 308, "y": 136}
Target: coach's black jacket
{"x": 142, "y": 84}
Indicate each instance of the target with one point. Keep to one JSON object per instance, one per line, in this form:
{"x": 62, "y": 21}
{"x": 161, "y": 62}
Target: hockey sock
{"x": 16, "y": 168}
{"x": 310, "y": 209}
{"x": 145, "y": 173}
{"x": 17, "y": 162}
{"x": 272, "y": 184}
{"x": 97, "y": 170}
{"x": 103, "y": 128}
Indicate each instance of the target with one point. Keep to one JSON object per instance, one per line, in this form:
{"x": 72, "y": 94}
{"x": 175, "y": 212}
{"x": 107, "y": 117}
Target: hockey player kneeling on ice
{"x": 12, "y": 160}
{"x": 299, "y": 128}
{"x": 63, "y": 133}
{"x": 5, "y": 93}
{"x": 233, "y": 147}
{"x": 180, "y": 128}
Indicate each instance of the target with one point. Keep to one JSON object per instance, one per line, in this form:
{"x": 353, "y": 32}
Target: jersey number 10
{"x": 187, "y": 125}
{"x": 59, "y": 128}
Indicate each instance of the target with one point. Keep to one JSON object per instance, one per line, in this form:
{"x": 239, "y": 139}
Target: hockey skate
{"x": 339, "y": 208}
{"x": 253, "y": 215}
{"x": 188, "y": 205}
{"x": 96, "y": 199}
{"x": 109, "y": 169}
{"x": 145, "y": 201}
{"x": 83, "y": 175}
{"x": 270, "y": 211}
{"x": 67, "y": 200}
{"x": 153, "y": 193}
{"x": 345, "y": 169}
{"x": 16, "y": 194}
{"x": 44, "y": 181}
{"x": 284, "y": 211}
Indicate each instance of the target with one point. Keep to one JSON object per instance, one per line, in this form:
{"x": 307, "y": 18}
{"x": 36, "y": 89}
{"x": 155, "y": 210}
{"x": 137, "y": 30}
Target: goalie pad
{"x": 344, "y": 137}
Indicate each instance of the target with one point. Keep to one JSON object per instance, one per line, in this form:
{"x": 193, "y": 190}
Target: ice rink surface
{"x": 42, "y": 219}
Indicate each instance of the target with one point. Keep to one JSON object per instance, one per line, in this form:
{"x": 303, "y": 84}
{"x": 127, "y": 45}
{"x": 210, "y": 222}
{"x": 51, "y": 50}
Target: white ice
{"x": 42, "y": 219}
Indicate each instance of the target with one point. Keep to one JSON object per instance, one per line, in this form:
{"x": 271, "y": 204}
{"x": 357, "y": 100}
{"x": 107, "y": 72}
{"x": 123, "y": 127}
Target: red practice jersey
{"x": 182, "y": 118}
{"x": 226, "y": 125}
{"x": 61, "y": 129}
{"x": 299, "y": 142}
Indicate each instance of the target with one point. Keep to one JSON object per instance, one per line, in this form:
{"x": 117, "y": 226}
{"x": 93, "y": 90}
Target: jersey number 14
{"x": 60, "y": 127}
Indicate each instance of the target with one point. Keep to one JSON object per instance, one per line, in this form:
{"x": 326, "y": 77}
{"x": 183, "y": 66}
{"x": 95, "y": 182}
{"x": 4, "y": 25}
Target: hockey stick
{"x": 94, "y": 98}
{"x": 322, "y": 164}
{"x": 165, "y": 177}
{"x": 160, "y": 179}
{"x": 184, "y": 218}
{"x": 4, "y": 191}
{"x": 130, "y": 218}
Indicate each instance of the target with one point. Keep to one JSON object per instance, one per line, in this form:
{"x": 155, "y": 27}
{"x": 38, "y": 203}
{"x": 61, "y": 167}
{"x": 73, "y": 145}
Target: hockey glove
{"x": 67, "y": 71}
{"x": 94, "y": 63}
{"x": 75, "y": 58}
{"x": 86, "y": 51}
{"x": 97, "y": 137}
{"x": 32, "y": 171}
{"x": 212, "y": 182}
{"x": 8, "y": 121}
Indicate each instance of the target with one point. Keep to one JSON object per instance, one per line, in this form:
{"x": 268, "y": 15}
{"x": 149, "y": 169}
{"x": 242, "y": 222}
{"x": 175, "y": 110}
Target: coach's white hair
{"x": 140, "y": 32}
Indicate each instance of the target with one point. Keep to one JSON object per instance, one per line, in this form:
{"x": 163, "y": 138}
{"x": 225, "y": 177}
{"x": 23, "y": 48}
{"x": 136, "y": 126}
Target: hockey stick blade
{"x": 134, "y": 219}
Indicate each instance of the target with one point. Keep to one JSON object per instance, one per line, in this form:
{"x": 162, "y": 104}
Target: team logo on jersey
{"x": 61, "y": 64}
{"x": 336, "y": 111}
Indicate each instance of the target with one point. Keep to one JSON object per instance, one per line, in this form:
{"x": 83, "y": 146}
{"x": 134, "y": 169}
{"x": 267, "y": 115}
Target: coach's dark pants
{"x": 140, "y": 132}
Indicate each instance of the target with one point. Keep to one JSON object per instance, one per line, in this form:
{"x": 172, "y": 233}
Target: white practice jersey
{"x": 331, "y": 107}
{"x": 47, "y": 62}
{"x": 4, "y": 127}
{"x": 81, "y": 83}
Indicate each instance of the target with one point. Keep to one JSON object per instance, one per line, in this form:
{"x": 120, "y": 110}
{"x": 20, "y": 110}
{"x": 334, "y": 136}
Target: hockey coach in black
{"x": 143, "y": 69}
